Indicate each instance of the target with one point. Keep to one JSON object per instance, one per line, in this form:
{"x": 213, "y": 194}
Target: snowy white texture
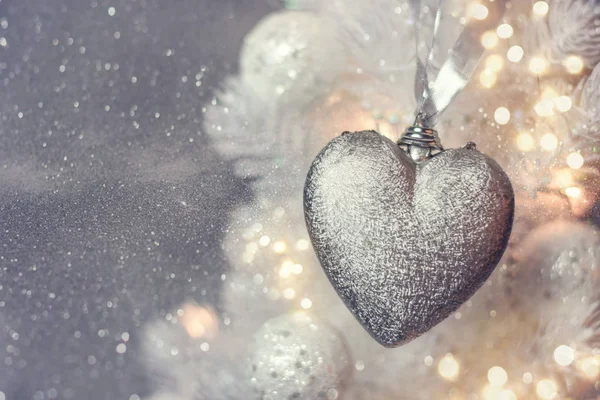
{"x": 570, "y": 28}
{"x": 291, "y": 56}
{"x": 296, "y": 356}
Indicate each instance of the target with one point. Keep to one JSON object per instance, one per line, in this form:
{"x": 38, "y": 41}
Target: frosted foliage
{"x": 290, "y": 56}
{"x": 590, "y": 96}
{"x": 557, "y": 270}
{"x": 574, "y": 28}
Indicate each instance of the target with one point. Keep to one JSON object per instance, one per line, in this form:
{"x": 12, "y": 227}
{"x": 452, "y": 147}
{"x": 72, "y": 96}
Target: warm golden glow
{"x": 289, "y": 293}
{"x": 302, "y": 244}
{"x": 198, "y": 321}
{"x": 306, "y": 303}
{"x": 505, "y": 31}
{"x": 497, "y": 376}
{"x": 563, "y": 178}
{"x": 487, "y": 78}
{"x": 502, "y": 115}
{"x": 297, "y": 269}
{"x": 279, "y": 247}
{"x": 549, "y": 94}
{"x": 564, "y": 355}
{"x": 563, "y": 103}
{"x": 489, "y": 39}
{"x": 537, "y": 65}
{"x": 573, "y": 192}
{"x": 478, "y": 11}
{"x": 573, "y": 64}
{"x": 525, "y": 142}
{"x": 544, "y": 108}
{"x": 515, "y": 54}
{"x": 549, "y": 142}
{"x": 590, "y": 366}
{"x": 264, "y": 240}
{"x": 546, "y": 389}
{"x": 494, "y": 62}
{"x": 448, "y": 367}
{"x": 286, "y": 269}
{"x": 540, "y": 8}
{"x": 575, "y": 160}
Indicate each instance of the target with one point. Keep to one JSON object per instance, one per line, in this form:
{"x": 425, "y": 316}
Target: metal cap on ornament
{"x": 420, "y": 143}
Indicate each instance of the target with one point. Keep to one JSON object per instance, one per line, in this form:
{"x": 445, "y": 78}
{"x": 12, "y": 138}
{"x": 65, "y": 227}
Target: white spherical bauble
{"x": 555, "y": 278}
{"x": 590, "y": 94}
{"x": 291, "y": 57}
{"x": 574, "y": 29}
{"x": 295, "y": 356}
{"x": 557, "y": 266}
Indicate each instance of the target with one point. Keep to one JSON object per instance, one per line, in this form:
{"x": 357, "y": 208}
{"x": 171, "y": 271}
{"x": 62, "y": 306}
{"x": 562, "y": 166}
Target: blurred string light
{"x": 538, "y": 65}
{"x": 306, "y": 303}
{"x": 563, "y": 103}
{"x": 515, "y": 54}
{"x": 525, "y": 142}
{"x": 491, "y": 392}
{"x": 573, "y": 192}
{"x": 573, "y": 64}
{"x": 564, "y": 355}
{"x": 505, "y": 31}
{"x": 544, "y": 108}
{"x": 494, "y": 63}
{"x": 590, "y": 366}
{"x": 489, "y": 40}
{"x": 497, "y": 376}
{"x": 198, "y": 322}
{"x": 541, "y": 8}
{"x": 502, "y": 115}
{"x": 302, "y": 244}
{"x": 478, "y": 11}
{"x": 549, "y": 142}
{"x": 448, "y": 367}
{"x": 546, "y": 389}
{"x": 487, "y": 78}
{"x": 575, "y": 160}
{"x": 279, "y": 247}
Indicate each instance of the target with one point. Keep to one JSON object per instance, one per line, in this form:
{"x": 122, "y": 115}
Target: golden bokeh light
{"x": 448, "y": 367}
{"x": 199, "y": 322}
{"x": 502, "y": 115}
{"x": 515, "y": 54}
{"x": 546, "y": 389}
{"x": 494, "y": 62}
{"x": 563, "y": 103}
{"x": 575, "y": 160}
{"x": 573, "y": 192}
{"x": 573, "y": 64}
{"x": 478, "y": 11}
{"x": 525, "y": 142}
{"x": 497, "y": 376}
{"x": 590, "y": 366}
{"x": 537, "y": 65}
{"x": 544, "y": 108}
{"x": 489, "y": 39}
{"x": 505, "y": 31}
{"x": 540, "y": 8}
{"x": 487, "y": 78}
{"x": 549, "y": 142}
{"x": 564, "y": 355}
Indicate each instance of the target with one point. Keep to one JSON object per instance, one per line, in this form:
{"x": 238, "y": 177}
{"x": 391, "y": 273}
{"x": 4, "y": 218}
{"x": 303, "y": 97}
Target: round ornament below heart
{"x": 405, "y": 244}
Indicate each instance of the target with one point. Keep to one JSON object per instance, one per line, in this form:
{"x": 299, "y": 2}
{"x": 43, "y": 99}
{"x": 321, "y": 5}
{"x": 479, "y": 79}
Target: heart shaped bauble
{"x": 405, "y": 244}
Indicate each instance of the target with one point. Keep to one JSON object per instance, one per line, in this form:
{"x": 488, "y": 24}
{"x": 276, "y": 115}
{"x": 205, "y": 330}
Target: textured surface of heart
{"x": 404, "y": 245}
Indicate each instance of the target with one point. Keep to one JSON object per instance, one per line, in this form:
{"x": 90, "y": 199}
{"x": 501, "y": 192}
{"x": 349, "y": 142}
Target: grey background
{"x": 112, "y": 203}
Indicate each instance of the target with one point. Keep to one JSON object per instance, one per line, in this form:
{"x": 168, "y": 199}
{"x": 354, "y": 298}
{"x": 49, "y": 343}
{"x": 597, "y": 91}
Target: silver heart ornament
{"x": 405, "y": 244}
